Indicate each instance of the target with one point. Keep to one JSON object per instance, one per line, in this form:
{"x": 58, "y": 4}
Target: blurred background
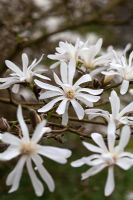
{"x": 36, "y": 27}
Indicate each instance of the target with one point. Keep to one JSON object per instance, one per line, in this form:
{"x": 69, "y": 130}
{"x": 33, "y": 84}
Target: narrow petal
{"x": 115, "y": 103}
{"x": 99, "y": 141}
{"x": 125, "y": 163}
{"x": 90, "y": 91}
{"x": 54, "y": 153}
{"x": 15, "y": 176}
{"x": 25, "y": 62}
{"x": 22, "y": 123}
{"x": 128, "y": 108}
{"x": 49, "y": 94}
{"x": 85, "y": 78}
{"x": 62, "y": 107}
{"x": 47, "y": 178}
{"x": 92, "y": 147}
{"x": 111, "y": 136}
{"x": 10, "y": 153}
{"x": 124, "y": 87}
{"x": 51, "y": 104}
{"x": 124, "y": 138}
{"x": 57, "y": 80}
{"x": 77, "y": 163}
{"x": 64, "y": 72}
{"x": 88, "y": 97}
{"x": 14, "y": 67}
{"x": 38, "y": 187}
{"x": 8, "y": 138}
{"x": 38, "y": 133}
{"x": 78, "y": 109}
{"x": 47, "y": 86}
{"x": 93, "y": 171}
{"x": 110, "y": 183}
{"x": 71, "y": 70}
{"x": 65, "y": 116}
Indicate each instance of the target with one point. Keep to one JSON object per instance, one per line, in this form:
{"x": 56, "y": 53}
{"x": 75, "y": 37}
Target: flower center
{"x": 27, "y": 148}
{"x": 110, "y": 158}
{"x": 70, "y": 94}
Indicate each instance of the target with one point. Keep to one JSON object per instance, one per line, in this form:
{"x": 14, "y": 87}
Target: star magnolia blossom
{"x": 123, "y": 69}
{"x": 67, "y": 92}
{"x": 29, "y": 151}
{"x": 90, "y": 56}
{"x": 106, "y": 156}
{"x": 66, "y": 52}
{"x": 21, "y": 76}
{"x": 115, "y": 118}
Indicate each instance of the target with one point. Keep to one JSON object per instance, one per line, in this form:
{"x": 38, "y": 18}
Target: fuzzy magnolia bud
{"x": 4, "y": 125}
{"x": 35, "y": 118}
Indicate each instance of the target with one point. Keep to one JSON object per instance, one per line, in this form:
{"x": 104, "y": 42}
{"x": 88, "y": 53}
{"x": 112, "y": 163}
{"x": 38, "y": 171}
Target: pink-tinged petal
{"x": 125, "y": 163}
{"x": 47, "y": 178}
{"x": 22, "y": 124}
{"x": 115, "y": 103}
{"x": 85, "y": 78}
{"x": 93, "y": 171}
{"x": 14, "y": 177}
{"x": 10, "y": 153}
{"x": 51, "y": 104}
{"x": 54, "y": 153}
{"x": 78, "y": 109}
{"x": 37, "y": 185}
{"x": 124, "y": 87}
{"x": 92, "y": 147}
{"x": 98, "y": 139}
{"x": 25, "y": 62}
{"x": 110, "y": 183}
{"x": 47, "y": 86}
{"x": 124, "y": 138}
{"x": 62, "y": 107}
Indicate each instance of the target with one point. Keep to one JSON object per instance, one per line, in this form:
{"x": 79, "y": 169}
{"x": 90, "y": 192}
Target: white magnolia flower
{"x": 22, "y": 76}
{"x": 66, "y": 52}
{"x": 90, "y": 56}
{"x": 67, "y": 92}
{"x": 123, "y": 69}
{"x": 29, "y": 151}
{"x": 106, "y": 155}
{"x": 117, "y": 116}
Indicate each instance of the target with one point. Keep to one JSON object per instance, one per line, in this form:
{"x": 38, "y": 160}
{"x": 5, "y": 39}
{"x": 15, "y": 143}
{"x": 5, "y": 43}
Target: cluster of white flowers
{"x": 68, "y": 91}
